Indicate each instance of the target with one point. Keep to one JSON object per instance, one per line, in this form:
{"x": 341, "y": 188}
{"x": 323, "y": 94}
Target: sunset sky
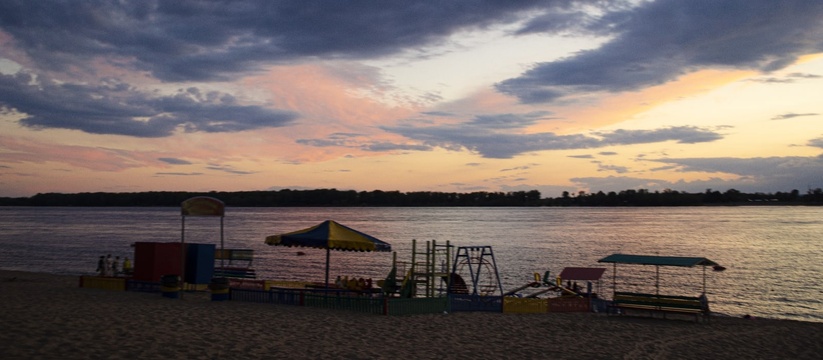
{"x": 447, "y": 96}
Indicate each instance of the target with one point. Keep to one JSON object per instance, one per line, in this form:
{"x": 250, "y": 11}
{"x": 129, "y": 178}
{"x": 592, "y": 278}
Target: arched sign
{"x": 202, "y": 206}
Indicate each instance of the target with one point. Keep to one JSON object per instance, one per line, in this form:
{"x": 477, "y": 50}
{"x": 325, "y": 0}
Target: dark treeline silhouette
{"x": 334, "y": 197}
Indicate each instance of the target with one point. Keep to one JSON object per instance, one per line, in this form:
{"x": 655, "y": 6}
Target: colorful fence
{"x": 525, "y": 306}
{"x": 417, "y": 306}
{"x": 342, "y": 300}
{"x": 476, "y": 303}
{"x": 142, "y": 286}
{"x": 260, "y": 292}
{"x": 339, "y": 301}
{"x": 99, "y": 282}
{"x": 569, "y": 304}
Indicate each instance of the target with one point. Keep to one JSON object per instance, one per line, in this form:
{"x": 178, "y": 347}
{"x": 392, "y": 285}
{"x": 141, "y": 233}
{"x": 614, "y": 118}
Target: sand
{"x": 48, "y": 316}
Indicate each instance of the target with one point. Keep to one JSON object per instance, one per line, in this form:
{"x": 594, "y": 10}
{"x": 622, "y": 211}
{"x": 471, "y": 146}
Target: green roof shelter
{"x": 657, "y": 261}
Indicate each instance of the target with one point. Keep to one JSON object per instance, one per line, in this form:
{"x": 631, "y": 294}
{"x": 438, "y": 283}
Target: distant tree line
{"x": 669, "y": 197}
{"x": 334, "y": 198}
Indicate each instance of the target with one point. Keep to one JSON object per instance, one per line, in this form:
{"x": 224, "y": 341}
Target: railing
{"x": 342, "y": 300}
{"x": 524, "y": 306}
{"x": 476, "y": 303}
{"x": 100, "y": 282}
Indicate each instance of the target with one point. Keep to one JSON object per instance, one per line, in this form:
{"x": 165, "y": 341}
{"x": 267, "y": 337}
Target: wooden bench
{"x": 235, "y": 272}
{"x": 661, "y": 304}
{"x": 230, "y": 270}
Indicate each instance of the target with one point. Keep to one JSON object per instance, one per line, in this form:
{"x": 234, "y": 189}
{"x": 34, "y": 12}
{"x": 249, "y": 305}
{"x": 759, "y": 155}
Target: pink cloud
{"x": 22, "y": 150}
{"x": 330, "y": 100}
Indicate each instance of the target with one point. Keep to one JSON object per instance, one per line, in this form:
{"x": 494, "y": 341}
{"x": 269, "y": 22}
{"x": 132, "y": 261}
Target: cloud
{"x": 387, "y": 146}
{"x": 96, "y": 158}
{"x": 174, "y": 161}
{"x": 616, "y": 168}
{"x": 790, "y": 78}
{"x": 208, "y": 41}
{"x": 229, "y": 169}
{"x": 659, "y": 41}
{"x": 792, "y": 115}
{"x": 114, "y": 107}
{"x": 768, "y": 173}
{"x": 178, "y": 174}
{"x": 619, "y": 183}
{"x": 816, "y": 142}
{"x": 493, "y": 136}
{"x": 681, "y": 134}
{"x": 804, "y": 76}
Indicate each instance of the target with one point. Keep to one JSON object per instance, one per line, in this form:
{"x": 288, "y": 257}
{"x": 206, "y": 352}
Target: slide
{"x": 554, "y": 286}
{"x": 458, "y": 285}
{"x": 515, "y": 291}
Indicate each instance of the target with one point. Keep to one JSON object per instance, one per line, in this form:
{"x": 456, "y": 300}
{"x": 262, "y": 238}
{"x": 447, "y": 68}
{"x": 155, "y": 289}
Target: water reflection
{"x": 772, "y": 253}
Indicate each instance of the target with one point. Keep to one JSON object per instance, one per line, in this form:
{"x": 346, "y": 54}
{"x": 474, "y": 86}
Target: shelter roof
{"x": 657, "y": 260}
{"x": 582, "y": 273}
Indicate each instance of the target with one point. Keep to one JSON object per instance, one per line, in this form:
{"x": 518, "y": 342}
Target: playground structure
{"x": 439, "y": 277}
{"x": 439, "y": 271}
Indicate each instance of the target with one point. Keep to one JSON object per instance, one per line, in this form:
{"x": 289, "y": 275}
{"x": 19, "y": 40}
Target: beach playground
{"x": 50, "y": 317}
{"x": 186, "y": 300}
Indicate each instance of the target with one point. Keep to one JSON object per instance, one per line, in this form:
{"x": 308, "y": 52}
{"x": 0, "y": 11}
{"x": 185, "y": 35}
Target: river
{"x": 772, "y": 253}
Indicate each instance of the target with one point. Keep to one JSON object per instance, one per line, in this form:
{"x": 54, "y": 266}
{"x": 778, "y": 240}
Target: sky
{"x": 443, "y": 96}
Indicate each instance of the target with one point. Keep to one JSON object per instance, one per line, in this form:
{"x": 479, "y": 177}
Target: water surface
{"x": 772, "y": 254}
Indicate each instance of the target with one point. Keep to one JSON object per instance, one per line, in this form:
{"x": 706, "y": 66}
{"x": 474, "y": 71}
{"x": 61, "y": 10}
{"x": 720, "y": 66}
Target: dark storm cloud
{"x": 488, "y": 136}
{"x": 113, "y": 107}
{"x": 662, "y": 40}
{"x": 61, "y": 44}
{"x": 210, "y": 40}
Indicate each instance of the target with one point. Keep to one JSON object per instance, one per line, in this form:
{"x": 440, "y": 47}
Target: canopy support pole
{"x": 657, "y": 280}
{"x": 704, "y": 279}
{"x": 182, "y": 254}
{"x": 327, "y": 266}
{"x": 222, "y": 249}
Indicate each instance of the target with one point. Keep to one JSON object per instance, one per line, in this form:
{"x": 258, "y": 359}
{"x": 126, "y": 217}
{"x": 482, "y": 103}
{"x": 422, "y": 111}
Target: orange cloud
{"x": 602, "y": 110}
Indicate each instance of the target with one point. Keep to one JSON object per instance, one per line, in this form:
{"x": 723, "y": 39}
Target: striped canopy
{"x": 330, "y": 235}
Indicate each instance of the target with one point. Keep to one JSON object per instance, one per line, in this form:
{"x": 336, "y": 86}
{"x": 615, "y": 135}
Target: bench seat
{"x": 660, "y": 304}
{"x": 243, "y": 273}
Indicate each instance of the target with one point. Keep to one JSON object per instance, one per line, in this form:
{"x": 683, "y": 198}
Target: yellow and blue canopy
{"x": 330, "y": 235}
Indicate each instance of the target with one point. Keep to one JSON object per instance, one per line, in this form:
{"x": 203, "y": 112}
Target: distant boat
{"x": 718, "y": 268}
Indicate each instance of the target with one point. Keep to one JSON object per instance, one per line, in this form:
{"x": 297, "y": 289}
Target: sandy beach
{"x": 49, "y": 317}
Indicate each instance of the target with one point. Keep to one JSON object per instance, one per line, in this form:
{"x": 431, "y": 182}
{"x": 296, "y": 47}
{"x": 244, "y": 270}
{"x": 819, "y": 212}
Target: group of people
{"x": 108, "y": 266}
{"x": 353, "y": 283}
